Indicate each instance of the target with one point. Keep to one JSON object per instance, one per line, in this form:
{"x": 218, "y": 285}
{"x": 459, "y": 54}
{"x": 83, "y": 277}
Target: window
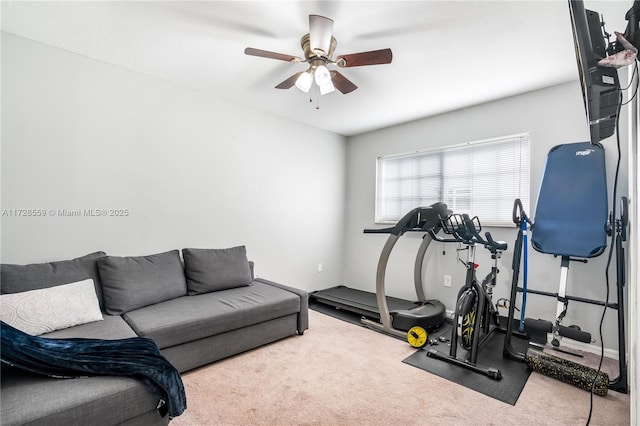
{"x": 478, "y": 178}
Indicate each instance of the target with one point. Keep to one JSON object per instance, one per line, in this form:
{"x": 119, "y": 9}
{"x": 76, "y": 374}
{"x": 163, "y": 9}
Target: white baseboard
{"x": 590, "y": 348}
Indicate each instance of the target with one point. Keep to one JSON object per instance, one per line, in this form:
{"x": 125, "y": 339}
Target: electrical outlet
{"x": 320, "y": 267}
{"x": 447, "y": 280}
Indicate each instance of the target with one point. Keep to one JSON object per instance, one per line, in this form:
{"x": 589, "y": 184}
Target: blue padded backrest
{"x": 571, "y": 213}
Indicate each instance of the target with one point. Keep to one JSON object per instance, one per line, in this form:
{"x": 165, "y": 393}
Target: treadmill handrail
{"x": 420, "y": 219}
{"x": 378, "y": 230}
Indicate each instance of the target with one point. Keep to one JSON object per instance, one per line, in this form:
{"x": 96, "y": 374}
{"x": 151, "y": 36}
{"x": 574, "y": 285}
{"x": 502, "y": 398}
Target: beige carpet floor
{"x": 343, "y": 374}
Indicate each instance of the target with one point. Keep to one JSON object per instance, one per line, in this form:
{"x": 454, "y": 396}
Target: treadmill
{"x": 387, "y": 314}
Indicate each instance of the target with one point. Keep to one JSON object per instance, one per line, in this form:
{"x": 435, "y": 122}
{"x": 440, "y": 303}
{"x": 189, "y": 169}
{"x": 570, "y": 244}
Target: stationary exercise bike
{"x": 475, "y": 318}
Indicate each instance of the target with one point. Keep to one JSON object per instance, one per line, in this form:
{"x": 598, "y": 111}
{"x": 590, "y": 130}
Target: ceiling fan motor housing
{"x": 305, "y": 43}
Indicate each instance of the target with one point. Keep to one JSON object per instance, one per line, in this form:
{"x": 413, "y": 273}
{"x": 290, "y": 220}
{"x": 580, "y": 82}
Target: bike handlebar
{"x": 465, "y": 229}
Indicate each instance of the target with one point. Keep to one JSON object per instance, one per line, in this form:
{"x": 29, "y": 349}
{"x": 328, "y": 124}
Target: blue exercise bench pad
{"x": 571, "y": 213}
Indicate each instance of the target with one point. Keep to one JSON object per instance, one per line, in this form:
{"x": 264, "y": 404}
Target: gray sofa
{"x": 199, "y": 310}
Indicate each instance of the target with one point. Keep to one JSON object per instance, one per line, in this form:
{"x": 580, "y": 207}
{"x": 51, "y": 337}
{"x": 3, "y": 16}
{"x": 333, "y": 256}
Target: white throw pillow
{"x": 42, "y": 311}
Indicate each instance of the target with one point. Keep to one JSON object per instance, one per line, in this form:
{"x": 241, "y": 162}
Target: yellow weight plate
{"x": 417, "y": 336}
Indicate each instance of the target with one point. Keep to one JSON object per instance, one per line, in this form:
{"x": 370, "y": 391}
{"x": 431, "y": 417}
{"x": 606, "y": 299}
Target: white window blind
{"x": 478, "y": 178}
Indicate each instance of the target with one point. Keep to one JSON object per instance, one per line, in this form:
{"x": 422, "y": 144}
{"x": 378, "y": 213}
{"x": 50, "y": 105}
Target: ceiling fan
{"x": 318, "y": 46}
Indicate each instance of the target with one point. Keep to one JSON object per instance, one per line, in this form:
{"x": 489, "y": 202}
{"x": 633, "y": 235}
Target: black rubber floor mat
{"x": 514, "y": 373}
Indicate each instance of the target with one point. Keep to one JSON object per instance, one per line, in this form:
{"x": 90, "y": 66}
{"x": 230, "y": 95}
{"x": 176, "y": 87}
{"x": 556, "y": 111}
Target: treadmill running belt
{"x": 358, "y": 301}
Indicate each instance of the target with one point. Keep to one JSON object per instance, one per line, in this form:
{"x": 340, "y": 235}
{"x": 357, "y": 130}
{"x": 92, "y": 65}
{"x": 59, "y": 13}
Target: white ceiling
{"x": 446, "y": 54}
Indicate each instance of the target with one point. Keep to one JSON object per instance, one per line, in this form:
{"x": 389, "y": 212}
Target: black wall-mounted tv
{"x": 600, "y": 85}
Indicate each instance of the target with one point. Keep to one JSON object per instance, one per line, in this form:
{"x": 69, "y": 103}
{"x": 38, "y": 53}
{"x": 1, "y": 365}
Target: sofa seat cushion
{"x": 112, "y": 327}
{"x": 37, "y": 400}
{"x": 190, "y": 318}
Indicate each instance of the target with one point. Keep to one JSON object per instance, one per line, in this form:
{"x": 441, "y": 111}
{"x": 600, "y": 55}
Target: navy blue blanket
{"x": 68, "y": 358}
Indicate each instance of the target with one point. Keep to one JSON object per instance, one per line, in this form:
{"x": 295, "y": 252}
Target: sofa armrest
{"x": 303, "y": 315}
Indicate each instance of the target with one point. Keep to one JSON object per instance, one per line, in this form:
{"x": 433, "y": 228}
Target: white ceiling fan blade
{"x": 320, "y": 32}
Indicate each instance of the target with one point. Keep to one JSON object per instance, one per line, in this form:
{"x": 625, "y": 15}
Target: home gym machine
{"x": 420, "y": 317}
{"x": 571, "y": 223}
{"x": 475, "y": 318}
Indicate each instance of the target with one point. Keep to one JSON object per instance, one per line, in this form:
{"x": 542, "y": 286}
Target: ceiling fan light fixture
{"x": 323, "y": 79}
{"x": 326, "y": 88}
{"x": 322, "y": 75}
{"x": 320, "y": 33}
{"x": 304, "y": 81}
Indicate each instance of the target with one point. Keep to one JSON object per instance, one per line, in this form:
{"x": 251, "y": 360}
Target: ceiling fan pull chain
{"x": 317, "y": 90}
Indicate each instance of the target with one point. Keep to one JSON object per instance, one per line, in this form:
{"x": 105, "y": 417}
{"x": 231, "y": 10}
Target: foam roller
{"x": 568, "y": 371}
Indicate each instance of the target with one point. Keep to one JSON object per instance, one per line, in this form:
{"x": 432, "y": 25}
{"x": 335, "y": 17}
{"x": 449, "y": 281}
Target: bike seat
{"x": 500, "y": 245}
{"x": 494, "y": 245}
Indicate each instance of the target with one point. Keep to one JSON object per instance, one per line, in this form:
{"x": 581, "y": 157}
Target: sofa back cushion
{"x": 133, "y": 282}
{"x": 19, "y": 278}
{"x": 216, "y": 269}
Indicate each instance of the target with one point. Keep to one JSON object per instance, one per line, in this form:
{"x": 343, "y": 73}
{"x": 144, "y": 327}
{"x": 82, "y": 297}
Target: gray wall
{"x": 192, "y": 171}
{"x": 551, "y": 116}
